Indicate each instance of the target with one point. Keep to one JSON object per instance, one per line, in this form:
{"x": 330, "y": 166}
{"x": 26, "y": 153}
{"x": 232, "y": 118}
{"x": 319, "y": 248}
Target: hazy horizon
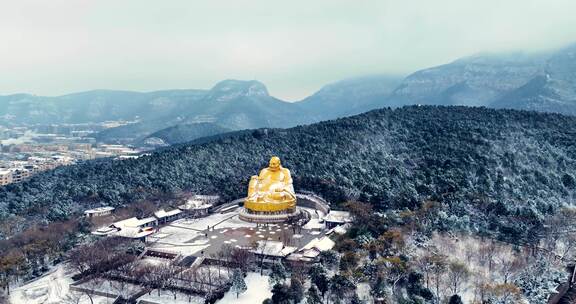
{"x": 62, "y": 46}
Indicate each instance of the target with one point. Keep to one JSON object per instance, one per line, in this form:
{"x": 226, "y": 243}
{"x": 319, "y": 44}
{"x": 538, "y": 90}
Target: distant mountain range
{"x": 542, "y": 82}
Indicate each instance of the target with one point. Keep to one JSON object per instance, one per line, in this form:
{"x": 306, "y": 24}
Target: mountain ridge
{"x": 544, "y": 81}
{"x": 470, "y": 160}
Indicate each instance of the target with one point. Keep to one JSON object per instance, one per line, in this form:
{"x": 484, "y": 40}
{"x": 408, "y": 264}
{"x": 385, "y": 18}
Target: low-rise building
{"x": 272, "y": 250}
{"x": 133, "y": 228}
{"x": 196, "y": 208}
{"x": 100, "y": 211}
{"x": 312, "y": 250}
{"x": 5, "y": 177}
{"x": 336, "y": 218}
{"x": 164, "y": 217}
{"x": 20, "y": 174}
{"x": 208, "y": 199}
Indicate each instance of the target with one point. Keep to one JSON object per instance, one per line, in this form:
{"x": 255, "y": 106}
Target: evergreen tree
{"x": 278, "y": 274}
{"x": 318, "y": 277}
{"x": 340, "y": 287}
{"x": 356, "y": 300}
{"x": 238, "y": 283}
{"x": 455, "y": 299}
{"x": 316, "y": 271}
{"x": 313, "y": 295}
{"x": 296, "y": 290}
{"x": 329, "y": 258}
{"x": 280, "y": 294}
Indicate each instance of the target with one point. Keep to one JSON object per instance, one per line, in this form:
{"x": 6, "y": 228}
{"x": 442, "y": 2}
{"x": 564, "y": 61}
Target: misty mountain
{"x": 543, "y": 82}
{"x": 237, "y": 104}
{"x": 93, "y": 106}
{"x": 471, "y": 81}
{"x": 349, "y": 96}
{"x": 552, "y": 90}
{"x": 229, "y": 105}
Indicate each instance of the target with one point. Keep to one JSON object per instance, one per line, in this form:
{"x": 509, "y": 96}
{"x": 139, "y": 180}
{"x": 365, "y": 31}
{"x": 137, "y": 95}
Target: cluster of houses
{"x": 336, "y": 222}
{"x": 135, "y": 228}
{"x": 16, "y": 171}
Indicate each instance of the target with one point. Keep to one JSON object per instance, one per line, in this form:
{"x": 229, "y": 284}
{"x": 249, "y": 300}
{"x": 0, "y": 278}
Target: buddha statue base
{"x": 267, "y": 216}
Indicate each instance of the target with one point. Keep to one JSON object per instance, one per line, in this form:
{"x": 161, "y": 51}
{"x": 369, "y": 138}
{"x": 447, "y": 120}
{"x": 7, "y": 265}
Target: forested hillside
{"x": 185, "y": 133}
{"x": 491, "y": 170}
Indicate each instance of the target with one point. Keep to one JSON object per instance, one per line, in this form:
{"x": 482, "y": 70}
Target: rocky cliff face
{"x": 231, "y": 89}
{"x": 543, "y": 82}
{"x": 552, "y": 90}
{"x": 472, "y": 81}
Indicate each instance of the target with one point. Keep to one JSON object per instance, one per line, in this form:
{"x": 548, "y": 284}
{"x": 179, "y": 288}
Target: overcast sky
{"x": 52, "y": 47}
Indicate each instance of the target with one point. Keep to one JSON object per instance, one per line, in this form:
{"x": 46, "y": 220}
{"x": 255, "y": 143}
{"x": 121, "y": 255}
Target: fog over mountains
{"x": 542, "y": 82}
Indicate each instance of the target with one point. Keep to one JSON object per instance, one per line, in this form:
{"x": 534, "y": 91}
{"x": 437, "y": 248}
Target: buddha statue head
{"x": 274, "y": 164}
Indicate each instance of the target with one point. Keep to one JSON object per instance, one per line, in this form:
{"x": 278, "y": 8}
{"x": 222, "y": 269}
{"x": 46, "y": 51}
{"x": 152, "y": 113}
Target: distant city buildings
{"x": 25, "y": 151}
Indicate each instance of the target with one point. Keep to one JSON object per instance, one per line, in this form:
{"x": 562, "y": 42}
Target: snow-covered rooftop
{"x": 98, "y": 210}
{"x": 341, "y": 229}
{"x": 134, "y": 232}
{"x": 134, "y": 222}
{"x": 195, "y": 204}
{"x": 321, "y": 244}
{"x": 162, "y": 213}
{"x": 273, "y": 248}
{"x": 338, "y": 217}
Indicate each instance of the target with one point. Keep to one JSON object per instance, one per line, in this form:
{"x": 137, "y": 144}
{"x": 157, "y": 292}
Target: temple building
{"x": 271, "y": 197}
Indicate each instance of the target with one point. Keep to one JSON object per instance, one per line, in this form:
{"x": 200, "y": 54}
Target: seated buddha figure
{"x": 272, "y": 190}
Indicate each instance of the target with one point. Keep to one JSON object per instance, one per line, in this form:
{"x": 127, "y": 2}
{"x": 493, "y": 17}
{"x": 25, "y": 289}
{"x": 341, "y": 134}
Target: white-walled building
{"x": 100, "y": 211}
{"x": 168, "y": 216}
{"x": 5, "y": 177}
{"x": 196, "y": 208}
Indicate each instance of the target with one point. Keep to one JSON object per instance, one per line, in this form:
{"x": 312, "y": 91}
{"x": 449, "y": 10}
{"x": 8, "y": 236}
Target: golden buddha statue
{"x": 272, "y": 190}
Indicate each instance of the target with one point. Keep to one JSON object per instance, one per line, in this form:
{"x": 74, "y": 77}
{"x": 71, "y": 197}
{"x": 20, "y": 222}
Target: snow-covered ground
{"x": 168, "y": 297}
{"x": 112, "y": 287}
{"x": 51, "y": 288}
{"x": 258, "y": 291}
{"x": 75, "y": 297}
{"x": 218, "y": 220}
{"x": 363, "y": 291}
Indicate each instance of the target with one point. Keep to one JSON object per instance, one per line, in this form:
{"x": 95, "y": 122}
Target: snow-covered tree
{"x": 313, "y": 295}
{"x": 296, "y": 290}
{"x": 278, "y": 274}
{"x": 238, "y": 283}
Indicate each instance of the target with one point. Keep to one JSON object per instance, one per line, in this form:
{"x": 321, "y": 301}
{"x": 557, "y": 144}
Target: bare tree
{"x": 241, "y": 258}
{"x": 509, "y": 264}
{"x": 504, "y": 293}
{"x": 171, "y": 279}
{"x": 189, "y": 279}
{"x": 457, "y": 274}
{"x": 439, "y": 263}
{"x": 90, "y": 288}
{"x": 486, "y": 255}
{"x": 73, "y": 297}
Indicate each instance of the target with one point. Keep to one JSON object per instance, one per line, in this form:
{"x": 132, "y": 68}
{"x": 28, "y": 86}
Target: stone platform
{"x": 261, "y": 217}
